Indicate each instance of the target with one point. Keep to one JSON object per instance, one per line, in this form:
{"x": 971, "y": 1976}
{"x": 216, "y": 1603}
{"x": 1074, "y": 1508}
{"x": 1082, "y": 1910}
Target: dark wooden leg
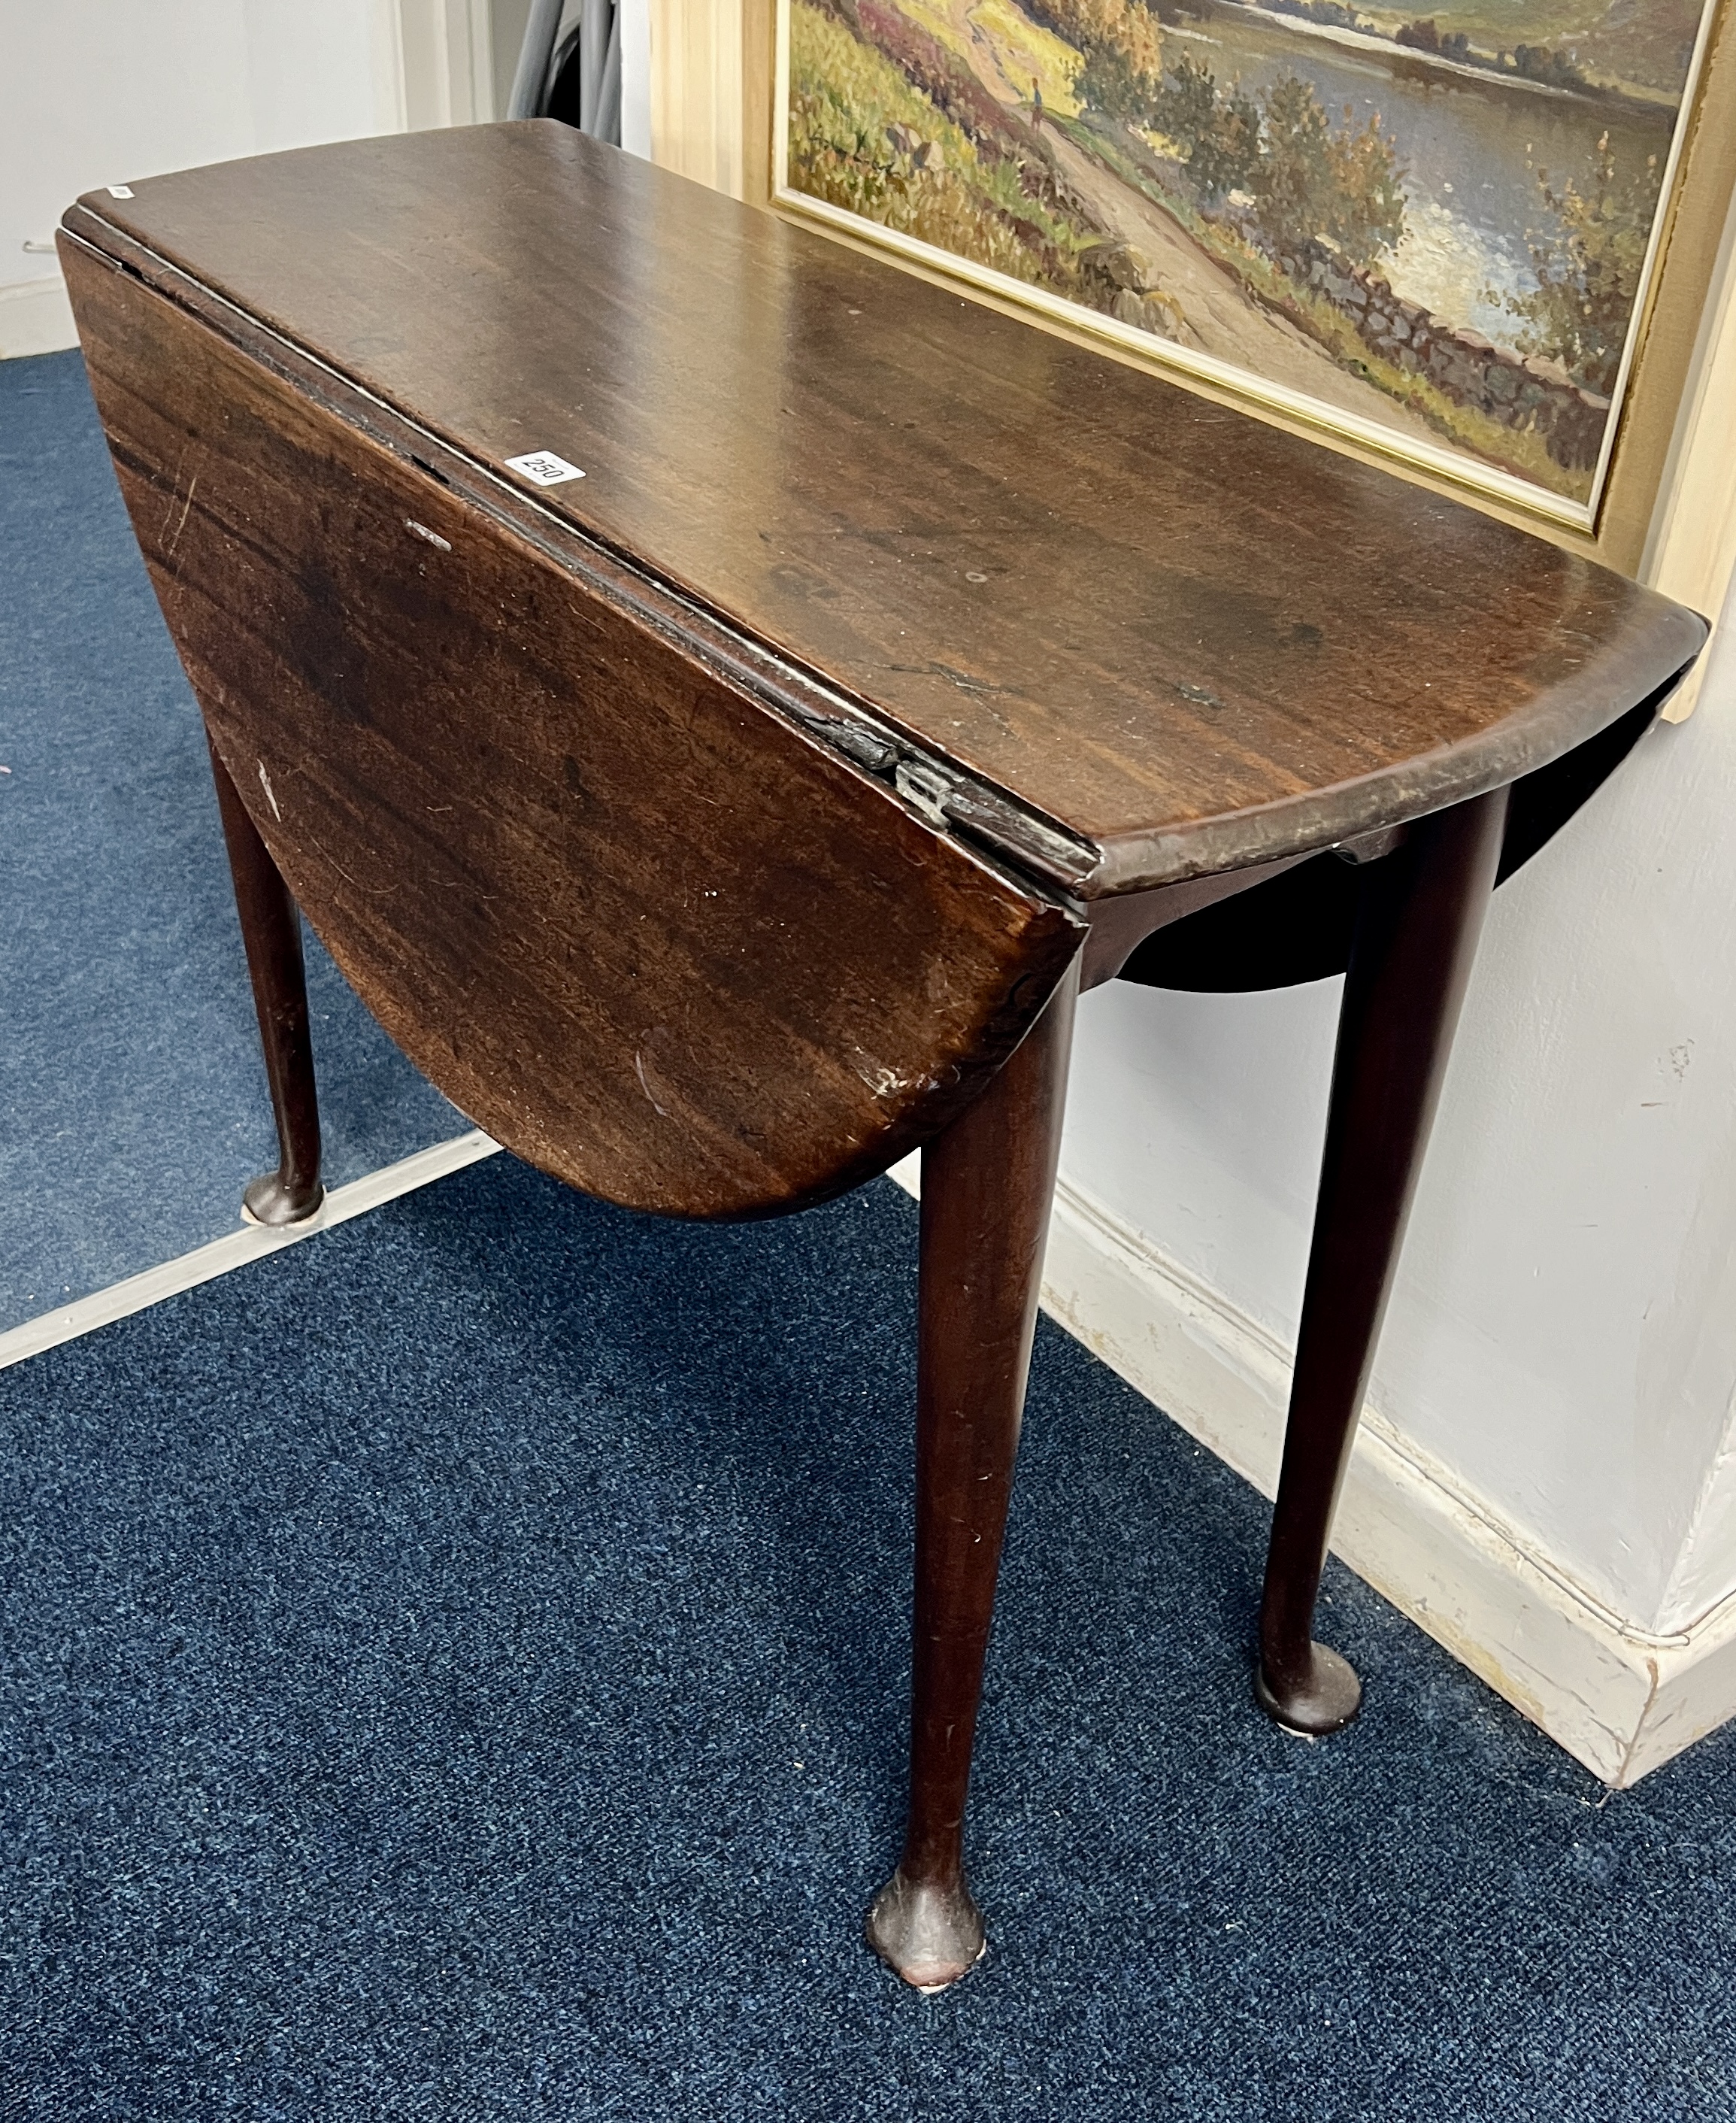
{"x": 271, "y": 928}
{"x": 1421, "y": 915}
{"x": 986, "y": 1187}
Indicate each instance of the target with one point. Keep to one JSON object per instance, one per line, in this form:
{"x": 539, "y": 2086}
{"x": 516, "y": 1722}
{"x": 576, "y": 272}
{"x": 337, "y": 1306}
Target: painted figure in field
{"x": 1437, "y": 223}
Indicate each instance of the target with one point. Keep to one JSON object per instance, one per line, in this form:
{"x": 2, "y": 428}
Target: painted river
{"x": 1472, "y": 150}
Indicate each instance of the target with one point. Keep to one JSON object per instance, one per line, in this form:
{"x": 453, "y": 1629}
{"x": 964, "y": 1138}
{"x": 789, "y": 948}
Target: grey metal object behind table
{"x": 571, "y": 69}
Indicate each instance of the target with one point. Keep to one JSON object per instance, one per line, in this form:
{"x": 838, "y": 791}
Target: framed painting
{"x": 1441, "y": 238}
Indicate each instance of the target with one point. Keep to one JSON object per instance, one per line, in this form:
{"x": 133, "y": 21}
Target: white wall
{"x": 1563, "y": 1336}
{"x": 99, "y": 91}
{"x": 636, "y": 77}
{"x": 95, "y": 92}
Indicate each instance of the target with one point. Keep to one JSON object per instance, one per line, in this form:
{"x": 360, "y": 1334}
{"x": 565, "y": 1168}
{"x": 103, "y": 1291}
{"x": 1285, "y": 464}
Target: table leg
{"x": 1421, "y": 913}
{"x": 986, "y": 1187}
{"x": 271, "y": 929}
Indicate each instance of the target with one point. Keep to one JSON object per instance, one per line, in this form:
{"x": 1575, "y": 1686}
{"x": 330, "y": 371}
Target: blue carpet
{"x": 456, "y": 1669}
{"x": 132, "y": 1102}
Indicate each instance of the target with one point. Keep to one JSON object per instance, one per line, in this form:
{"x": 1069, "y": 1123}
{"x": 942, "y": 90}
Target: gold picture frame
{"x": 1613, "y": 519}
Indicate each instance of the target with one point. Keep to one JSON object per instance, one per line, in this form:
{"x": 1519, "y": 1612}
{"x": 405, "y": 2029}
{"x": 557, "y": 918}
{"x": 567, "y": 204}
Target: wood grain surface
{"x": 646, "y": 930}
{"x": 1189, "y": 641}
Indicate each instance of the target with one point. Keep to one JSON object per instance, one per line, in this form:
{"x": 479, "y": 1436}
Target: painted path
{"x": 1221, "y": 318}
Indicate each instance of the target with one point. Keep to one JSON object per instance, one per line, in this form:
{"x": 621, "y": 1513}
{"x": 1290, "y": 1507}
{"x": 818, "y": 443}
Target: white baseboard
{"x": 247, "y": 1242}
{"x": 1620, "y": 1700}
{"x": 35, "y": 318}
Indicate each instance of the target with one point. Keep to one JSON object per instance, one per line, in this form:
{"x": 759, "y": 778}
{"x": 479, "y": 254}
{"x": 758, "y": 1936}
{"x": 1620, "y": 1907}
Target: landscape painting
{"x": 1433, "y": 230}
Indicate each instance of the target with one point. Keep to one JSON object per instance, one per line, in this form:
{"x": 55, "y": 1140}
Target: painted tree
{"x": 1343, "y": 186}
{"x": 1589, "y": 275}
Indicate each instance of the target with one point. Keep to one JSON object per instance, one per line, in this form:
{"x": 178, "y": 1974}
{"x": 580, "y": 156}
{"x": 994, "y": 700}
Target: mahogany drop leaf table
{"x": 720, "y": 698}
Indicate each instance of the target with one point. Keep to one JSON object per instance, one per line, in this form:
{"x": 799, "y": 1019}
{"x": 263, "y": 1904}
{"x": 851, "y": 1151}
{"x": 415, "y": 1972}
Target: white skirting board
{"x": 35, "y": 318}
{"x": 235, "y": 1248}
{"x": 1619, "y": 1700}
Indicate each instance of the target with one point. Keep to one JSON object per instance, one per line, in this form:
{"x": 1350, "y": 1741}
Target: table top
{"x": 1188, "y": 640}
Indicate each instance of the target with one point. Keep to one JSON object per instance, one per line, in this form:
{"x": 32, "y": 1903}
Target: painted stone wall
{"x": 1522, "y": 391}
